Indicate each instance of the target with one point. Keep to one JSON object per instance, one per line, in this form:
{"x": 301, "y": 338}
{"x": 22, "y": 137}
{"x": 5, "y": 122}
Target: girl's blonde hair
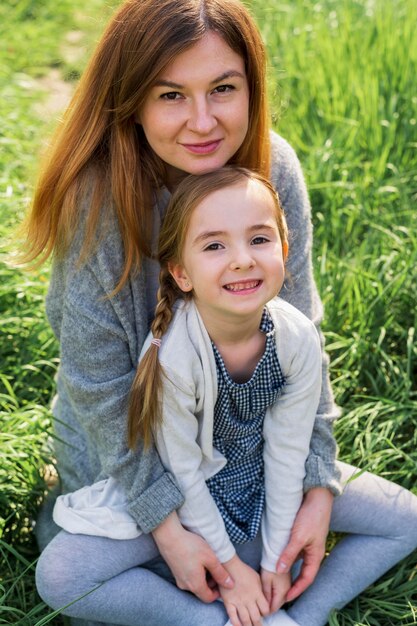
{"x": 99, "y": 152}
{"x": 144, "y": 404}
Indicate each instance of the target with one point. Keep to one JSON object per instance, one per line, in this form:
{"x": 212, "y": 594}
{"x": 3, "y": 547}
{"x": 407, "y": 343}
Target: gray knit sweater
{"x": 100, "y": 341}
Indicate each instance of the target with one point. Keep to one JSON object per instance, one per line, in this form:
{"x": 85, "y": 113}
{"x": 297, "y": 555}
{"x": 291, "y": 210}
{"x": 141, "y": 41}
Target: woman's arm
{"x": 189, "y": 557}
{"x": 300, "y": 290}
{"x": 308, "y": 539}
{"x": 311, "y": 526}
{"x": 99, "y": 339}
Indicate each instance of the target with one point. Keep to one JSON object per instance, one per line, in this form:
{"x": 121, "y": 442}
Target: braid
{"x": 166, "y": 297}
{"x": 144, "y": 403}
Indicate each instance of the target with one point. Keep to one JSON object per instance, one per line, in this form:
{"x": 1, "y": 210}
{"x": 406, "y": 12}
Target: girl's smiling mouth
{"x": 246, "y": 286}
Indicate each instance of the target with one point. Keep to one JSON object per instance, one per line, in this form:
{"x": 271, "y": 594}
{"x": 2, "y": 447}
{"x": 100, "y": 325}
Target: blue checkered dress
{"x": 238, "y": 489}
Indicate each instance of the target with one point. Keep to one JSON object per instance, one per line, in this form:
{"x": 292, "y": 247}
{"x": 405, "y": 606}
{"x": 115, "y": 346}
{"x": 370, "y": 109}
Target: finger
{"x": 263, "y": 606}
{"x": 267, "y": 590}
{"x": 244, "y": 616}
{"x": 277, "y": 601}
{"x": 304, "y": 580}
{"x": 233, "y": 617}
{"x": 211, "y": 583}
{"x": 204, "y": 592}
{"x": 289, "y": 556}
{"x": 220, "y": 574}
{"x": 255, "y": 617}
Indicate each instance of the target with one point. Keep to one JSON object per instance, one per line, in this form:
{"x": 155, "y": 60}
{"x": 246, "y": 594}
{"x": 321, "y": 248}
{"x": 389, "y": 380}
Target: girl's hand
{"x": 275, "y": 587}
{"x": 308, "y": 539}
{"x": 189, "y": 558}
{"x": 245, "y": 603}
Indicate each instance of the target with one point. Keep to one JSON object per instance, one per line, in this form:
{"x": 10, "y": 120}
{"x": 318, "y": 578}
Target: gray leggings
{"x": 380, "y": 517}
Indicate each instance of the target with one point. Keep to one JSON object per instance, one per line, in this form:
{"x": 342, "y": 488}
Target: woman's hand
{"x": 275, "y": 587}
{"x": 189, "y": 558}
{"x": 308, "y": 539}
{"x": 245, "y": 603}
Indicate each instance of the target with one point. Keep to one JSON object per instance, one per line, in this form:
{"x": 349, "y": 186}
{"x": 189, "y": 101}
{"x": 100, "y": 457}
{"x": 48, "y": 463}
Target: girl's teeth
{"x": 242, "y": 286}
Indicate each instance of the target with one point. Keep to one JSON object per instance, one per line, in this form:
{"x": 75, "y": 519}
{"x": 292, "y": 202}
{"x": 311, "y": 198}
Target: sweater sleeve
{"x": 300, "y": 290}
{"x": 287, "y": 431}
{"x": 99, "y": 342}
{"x": 182, "y": 455}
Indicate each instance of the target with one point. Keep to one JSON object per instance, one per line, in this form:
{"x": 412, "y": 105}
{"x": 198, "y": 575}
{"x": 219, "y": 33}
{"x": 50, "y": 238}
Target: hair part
{"x": 145, "y": 414}
{"x": 99, "y": 156}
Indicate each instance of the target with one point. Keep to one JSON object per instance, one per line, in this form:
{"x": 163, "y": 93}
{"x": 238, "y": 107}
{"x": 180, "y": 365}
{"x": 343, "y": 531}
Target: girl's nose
{"x": 201, "y": 119}
{"x": 242, "y": 261}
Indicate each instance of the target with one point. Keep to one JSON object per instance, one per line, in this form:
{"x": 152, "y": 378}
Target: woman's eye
{"x": 170, "y": 95}
{"x": 260, "y": 239}
{"x": 224, "y": 88}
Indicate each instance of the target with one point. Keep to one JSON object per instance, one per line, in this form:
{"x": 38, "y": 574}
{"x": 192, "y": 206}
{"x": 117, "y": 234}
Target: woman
{"x": 174, "y": 87}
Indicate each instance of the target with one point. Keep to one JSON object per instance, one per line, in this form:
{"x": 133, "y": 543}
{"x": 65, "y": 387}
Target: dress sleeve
{"x": 182, "y": 455}
{"x": 300, "y": 290}
{"x": 99, "y": 345}
{"x": 287, "y": 431}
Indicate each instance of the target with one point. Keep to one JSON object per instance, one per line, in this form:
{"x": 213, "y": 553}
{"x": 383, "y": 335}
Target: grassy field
{"x": 343, "y": 84}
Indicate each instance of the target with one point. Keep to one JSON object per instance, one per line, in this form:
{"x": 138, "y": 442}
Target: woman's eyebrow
{"x": 228, "y": 74}
{"x": 167, "y": 83}
{"x": 162, "y": 82}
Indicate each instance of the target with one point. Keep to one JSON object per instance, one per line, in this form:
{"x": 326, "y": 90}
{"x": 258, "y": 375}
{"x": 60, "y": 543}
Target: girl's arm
{"x": 177, "y": 442}
{"x": 288, "y": 426}
{"x": 181, "y": 454}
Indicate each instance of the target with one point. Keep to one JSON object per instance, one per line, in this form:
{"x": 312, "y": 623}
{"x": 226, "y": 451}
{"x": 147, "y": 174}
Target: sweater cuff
{"x": 322, "y": 474}
{"x": 155, "y": 504}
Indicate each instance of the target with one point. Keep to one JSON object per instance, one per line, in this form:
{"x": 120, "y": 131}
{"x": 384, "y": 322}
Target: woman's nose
{"x": 201, "y": 119}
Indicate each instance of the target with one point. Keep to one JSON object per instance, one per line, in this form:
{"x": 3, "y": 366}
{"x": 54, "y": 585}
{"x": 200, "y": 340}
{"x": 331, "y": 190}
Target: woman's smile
{"x": 203, "y": 148}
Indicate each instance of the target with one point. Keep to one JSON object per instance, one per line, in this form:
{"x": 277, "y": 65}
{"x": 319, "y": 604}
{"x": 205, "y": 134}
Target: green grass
{"x": 343, "y": 83}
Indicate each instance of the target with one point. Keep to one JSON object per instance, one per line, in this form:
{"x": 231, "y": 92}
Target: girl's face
{"x": 195, "y": 116}
{"x": 233, "y": 256}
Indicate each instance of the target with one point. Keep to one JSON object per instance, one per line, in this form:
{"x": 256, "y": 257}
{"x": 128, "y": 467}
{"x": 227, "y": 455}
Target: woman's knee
{"x": 60, "y": 578}
{"x": 370, "y": 504}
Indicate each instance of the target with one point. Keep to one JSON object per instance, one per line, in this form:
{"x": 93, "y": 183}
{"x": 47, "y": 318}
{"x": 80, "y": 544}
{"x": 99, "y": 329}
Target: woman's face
{"x": 196, "y": 114}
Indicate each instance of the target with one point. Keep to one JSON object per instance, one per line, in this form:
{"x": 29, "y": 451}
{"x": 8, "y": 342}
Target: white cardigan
{"x": 185, "y": 439}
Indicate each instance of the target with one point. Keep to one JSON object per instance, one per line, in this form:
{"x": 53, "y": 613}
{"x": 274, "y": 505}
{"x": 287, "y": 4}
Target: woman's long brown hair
{"x": 99, "y": 153}
{"x": 145, "y": 412}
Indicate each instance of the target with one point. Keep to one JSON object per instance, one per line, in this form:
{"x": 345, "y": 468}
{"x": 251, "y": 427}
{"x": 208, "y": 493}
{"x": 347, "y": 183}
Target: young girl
{"x": 228, "y": 386}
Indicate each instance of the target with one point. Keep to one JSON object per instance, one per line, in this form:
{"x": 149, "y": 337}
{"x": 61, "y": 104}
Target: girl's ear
{"x": 180, "y": 276}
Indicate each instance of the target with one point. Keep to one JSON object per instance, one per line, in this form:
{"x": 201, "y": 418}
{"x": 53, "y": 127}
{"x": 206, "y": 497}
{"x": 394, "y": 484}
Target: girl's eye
{"x": 214, "y": 246}
{"x": 170, "y": 95}
{"x": 260, "y": 239}
{"x": 224, "y": 88}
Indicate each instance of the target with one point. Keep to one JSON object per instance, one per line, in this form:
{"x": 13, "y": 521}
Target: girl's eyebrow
{"x": 210, "y": 234}
{"x": 261, "y": 227}
{"x": 229, "y": 74}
